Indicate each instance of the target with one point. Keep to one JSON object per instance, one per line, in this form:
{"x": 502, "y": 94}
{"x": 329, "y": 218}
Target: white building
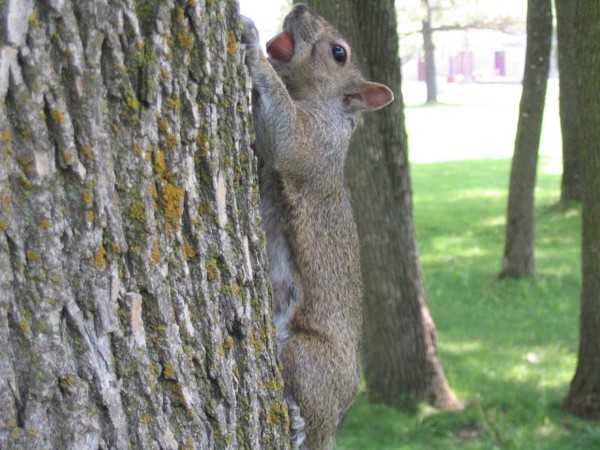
{"x": 470, "y": 56}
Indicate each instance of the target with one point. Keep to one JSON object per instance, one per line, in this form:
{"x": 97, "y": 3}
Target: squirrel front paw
{"x": 250, "y": 39}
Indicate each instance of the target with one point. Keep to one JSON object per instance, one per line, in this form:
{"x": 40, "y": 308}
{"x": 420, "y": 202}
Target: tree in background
{"x": 584, "y": 394}
{"x": 520, "y": 236}
{"x": 134, "y": 306}
{"x": 429, "y": 54}
{"x": 400, "y": 353}
{"x": 566, "y": 29}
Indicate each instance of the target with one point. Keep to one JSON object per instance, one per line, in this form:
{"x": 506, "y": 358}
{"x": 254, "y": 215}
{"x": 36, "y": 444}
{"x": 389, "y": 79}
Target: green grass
{"x": 508, "y": 347}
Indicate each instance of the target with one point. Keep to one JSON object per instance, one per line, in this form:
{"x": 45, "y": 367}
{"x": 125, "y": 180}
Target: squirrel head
{"x": 316, "y": 63}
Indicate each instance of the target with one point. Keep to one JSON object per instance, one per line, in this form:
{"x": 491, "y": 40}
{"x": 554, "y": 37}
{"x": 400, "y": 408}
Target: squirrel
{"x": 306, "y": 99}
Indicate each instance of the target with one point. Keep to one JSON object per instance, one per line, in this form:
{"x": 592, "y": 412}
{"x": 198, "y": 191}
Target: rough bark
{"x": 584, "y": 394}
{"x": 429, "y": 55}
{"x": 569, "y": 112}
{"x": 520, "y": 235}
{"x": 134, "y": 307}
{"x": 400, "y": 354}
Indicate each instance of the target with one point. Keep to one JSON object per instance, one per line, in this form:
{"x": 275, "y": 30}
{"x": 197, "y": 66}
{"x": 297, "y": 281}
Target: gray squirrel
{"x": 306, "y": 99}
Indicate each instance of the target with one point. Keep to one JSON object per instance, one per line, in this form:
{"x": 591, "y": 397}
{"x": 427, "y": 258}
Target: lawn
{"x": 508, "y": 347}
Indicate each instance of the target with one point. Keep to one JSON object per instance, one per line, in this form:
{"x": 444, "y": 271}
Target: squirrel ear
{"x": 371, "y": 96}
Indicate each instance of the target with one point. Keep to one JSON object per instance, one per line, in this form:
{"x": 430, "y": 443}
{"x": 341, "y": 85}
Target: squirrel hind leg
{"x": 322, "y": 384}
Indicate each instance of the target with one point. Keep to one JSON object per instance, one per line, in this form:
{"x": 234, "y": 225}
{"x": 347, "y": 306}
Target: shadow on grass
{"x": 508, "y": 347}
{"x": 460, "y": 210}
{"x": 516, "y": 423}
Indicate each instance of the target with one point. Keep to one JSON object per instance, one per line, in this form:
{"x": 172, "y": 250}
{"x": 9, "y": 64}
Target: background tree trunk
{"x": 584, "y": 395}
{"x": 134, "y": 307}
{"x": 400, "y": 354}
{"x": 569, "y": 111}
{"x": 520, "y": 235}
{"x": 429, "y": 55}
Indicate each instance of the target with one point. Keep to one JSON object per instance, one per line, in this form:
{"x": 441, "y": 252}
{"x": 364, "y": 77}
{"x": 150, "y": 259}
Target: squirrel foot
{"x": 297, "y": 430}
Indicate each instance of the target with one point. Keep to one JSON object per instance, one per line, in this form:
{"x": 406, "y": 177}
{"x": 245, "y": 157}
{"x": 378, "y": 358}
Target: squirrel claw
{"x": 250, "y": 40}
{"x": 297, "y": 425}
{"x": 250, "y": 33}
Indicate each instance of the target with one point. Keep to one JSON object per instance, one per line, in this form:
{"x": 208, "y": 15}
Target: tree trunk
{"x": 569, "y": 111}
{"x": 584, "y": 395}
{"x": 520, "y": 236}
{"x": 400, "y": 354}
{"x": 134, "y": 306}
{"x": 429, "y": 53}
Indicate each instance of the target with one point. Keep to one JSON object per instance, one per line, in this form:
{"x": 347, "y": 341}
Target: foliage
{"x": 508, "y": 347}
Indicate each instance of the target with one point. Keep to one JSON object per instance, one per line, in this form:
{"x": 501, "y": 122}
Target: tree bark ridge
{"x": 134, "y": 305}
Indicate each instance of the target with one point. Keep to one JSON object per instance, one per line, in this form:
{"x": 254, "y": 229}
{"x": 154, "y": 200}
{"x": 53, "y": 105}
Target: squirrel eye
{"x": 339, "y": 53}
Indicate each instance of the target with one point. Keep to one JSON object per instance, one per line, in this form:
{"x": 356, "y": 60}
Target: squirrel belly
{"x": 285, "y": 290}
